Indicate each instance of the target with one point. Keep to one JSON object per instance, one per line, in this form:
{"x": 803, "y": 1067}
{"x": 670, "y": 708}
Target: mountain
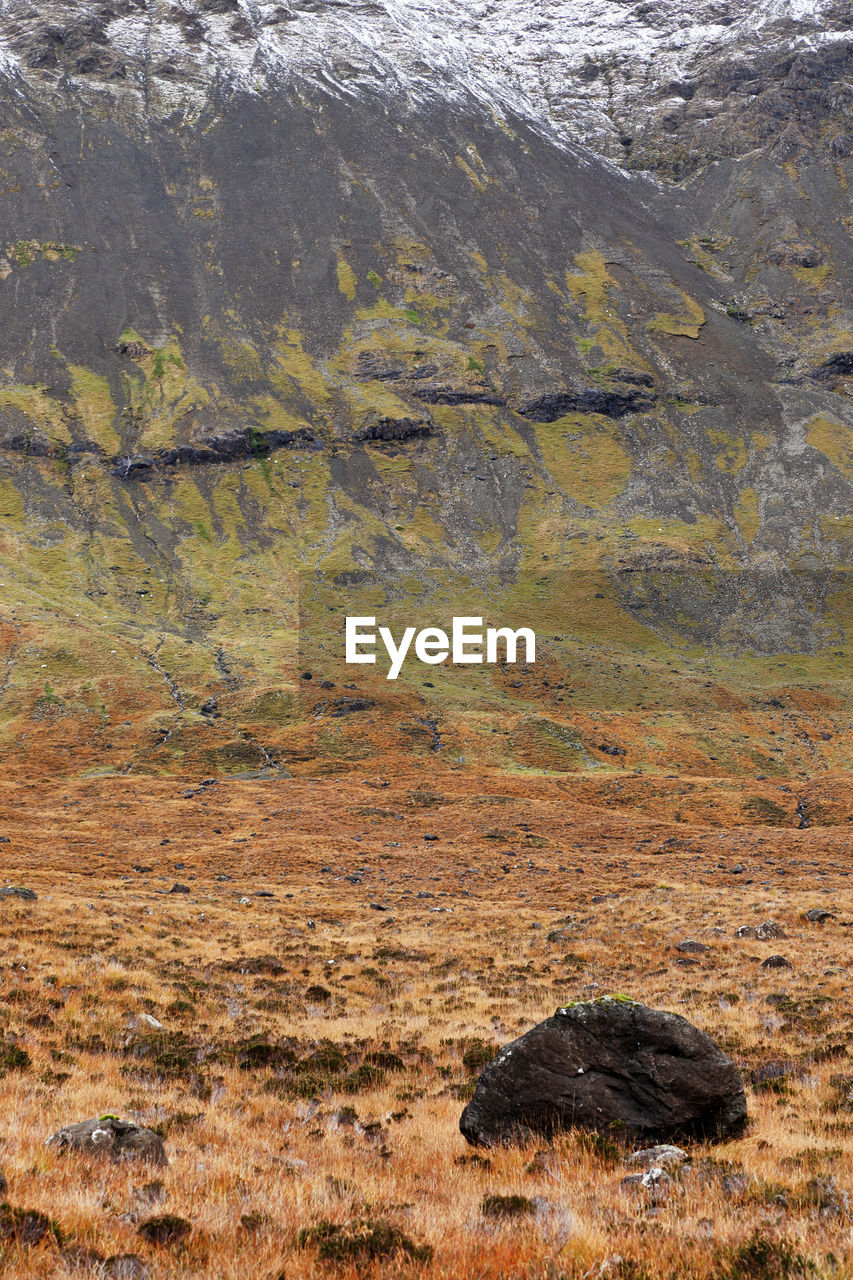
{"x": 318, "y": 305}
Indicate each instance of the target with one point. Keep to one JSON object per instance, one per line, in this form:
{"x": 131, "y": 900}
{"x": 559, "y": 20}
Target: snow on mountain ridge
{"x": 585, "y": 70}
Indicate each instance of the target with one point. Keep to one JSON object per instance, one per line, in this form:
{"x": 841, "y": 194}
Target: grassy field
{"x": 329, "y": 988}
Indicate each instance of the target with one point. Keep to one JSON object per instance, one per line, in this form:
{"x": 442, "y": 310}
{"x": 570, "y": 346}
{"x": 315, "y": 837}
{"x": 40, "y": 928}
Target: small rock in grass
{"x": 151, "y": 1193}
{"x": 126, "y": 1266}
{"x": 654, "y": 1183}
{"x": 120, "y": 1140}
{"x": 662, "y": 1157}
{"x": 768, "y": 930}
{"x": 817, "y": 915}
{"x": 690, "y": 947}
{"x": 545, "y": 1161}
{"x": 767, "y": 1075}
{"x": 140, "y": 1020}
{"x": 825, "y": 1195}
{"x": 776, "y": 962}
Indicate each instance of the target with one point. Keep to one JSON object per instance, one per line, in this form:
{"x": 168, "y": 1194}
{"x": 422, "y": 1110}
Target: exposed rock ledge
{"x": 230, "y": 447}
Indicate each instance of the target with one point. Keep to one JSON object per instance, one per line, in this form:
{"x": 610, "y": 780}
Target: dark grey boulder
{"x": 119, "y": 1140}
{"x": 609, "y": 1065}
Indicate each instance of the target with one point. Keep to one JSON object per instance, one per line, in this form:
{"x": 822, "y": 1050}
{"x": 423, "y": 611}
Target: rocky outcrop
{"x": 608, "y": 1065}
{"x": 396, "y": 430}
{"x": 455, "y": 393}
{"x": 230, "y": 447}
{"x": 613, "y": 404}
{"x": 431, "y": 383}
{"x": 340, "y": 707}
{"x": 839, "y": 365}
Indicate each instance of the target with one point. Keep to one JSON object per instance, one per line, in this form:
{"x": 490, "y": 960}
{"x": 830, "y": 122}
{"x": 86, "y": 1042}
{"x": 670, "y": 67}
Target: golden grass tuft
{"x": 316, "y": 1052}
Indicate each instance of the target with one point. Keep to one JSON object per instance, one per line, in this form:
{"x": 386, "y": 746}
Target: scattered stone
{"x": 776, "y": 962}
{"x": 341, "y": 707}
{"x": 17, "y": 891}
{"x": 825, "y": 1195}
{"x": 602, "y": 1063}
{"x": 151, "y": 1193}
{"x": 817, "y": 915}
{"x": 545, "y": 1161}
{"x": 690, "y": 946}
{"x": 734, "y": 1184}
{"x": 140, "y": 1020}
{"x": 562, "y": 935}
{"x": 166, "y": 1229}
{"x": 210, "y": 707}
{"x": 770, "y": 929}
{"x": 662, "y": 1157}
{"x": 120, "y": 1140}
{"x": 767, "y": 1076}
{"x": 177, "y": 887}
{"x": 745, "y": 931}
{"x": 126, "y": 1266}
{"x": 655, "y": 1182}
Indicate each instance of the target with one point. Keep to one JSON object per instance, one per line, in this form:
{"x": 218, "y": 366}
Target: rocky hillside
{"x": 308, "y": 304}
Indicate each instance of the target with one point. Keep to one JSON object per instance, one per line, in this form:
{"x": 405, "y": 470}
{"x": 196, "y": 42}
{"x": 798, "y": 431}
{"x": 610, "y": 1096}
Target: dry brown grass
{"x": 260, "y": 1142}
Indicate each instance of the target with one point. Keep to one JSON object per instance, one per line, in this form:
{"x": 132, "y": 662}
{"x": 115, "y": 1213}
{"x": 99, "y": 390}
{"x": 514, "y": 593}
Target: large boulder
{"x": 608, "y": 1065}
{"x": 109, "y": 1136}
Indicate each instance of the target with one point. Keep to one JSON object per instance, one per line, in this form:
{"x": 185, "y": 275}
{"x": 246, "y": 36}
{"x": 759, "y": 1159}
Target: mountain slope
{"x": 304, "y": 304}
